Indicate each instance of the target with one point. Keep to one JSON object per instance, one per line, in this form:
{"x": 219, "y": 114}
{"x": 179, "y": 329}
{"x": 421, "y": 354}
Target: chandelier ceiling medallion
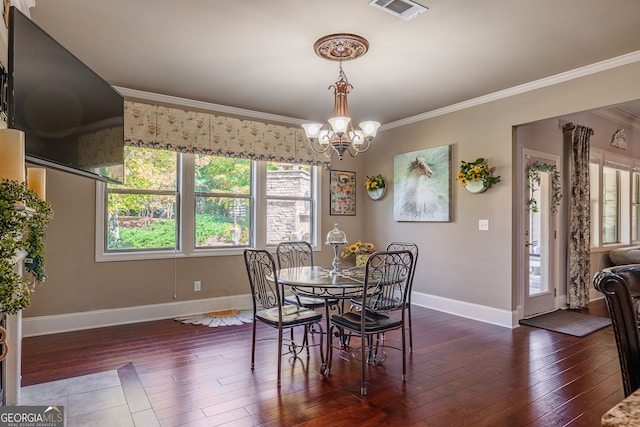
{"x": 340, "y": 137}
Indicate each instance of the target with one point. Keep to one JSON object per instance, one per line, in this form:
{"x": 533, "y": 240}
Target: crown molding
{"x": 587, "y": 70}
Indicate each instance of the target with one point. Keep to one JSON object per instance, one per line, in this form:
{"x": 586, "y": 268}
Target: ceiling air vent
{"x": 405, "y": 9}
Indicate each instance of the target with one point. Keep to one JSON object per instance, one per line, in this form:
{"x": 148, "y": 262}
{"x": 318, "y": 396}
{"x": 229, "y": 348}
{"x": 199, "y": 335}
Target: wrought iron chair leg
{"x": 410, "y": 330}
{"x": 280, "y": 354}
{"x": 404, "y": 356}
{"x": 363, "y": 356}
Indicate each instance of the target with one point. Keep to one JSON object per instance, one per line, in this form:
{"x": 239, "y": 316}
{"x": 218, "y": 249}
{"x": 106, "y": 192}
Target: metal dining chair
{"x": 269, "y": 308}
{"x": 625, "y": 325}
{"x": 387, "y": 283}
{"x": 413, "y": 248}
{"x": 299, "y": 254}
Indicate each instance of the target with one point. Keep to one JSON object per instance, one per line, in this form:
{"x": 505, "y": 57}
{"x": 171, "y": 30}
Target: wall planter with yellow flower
{"x": 360, "y": 251}
{"x": 376, "y": 187}
{"x": 476, "y": 176}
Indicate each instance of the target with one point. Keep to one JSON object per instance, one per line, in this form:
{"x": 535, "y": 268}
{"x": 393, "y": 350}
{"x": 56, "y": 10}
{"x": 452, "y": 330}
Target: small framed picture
{"x": 342, "y": 193}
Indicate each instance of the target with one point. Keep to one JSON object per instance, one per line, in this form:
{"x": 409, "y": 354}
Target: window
{"x": 141, "y": 215}
{"x": 635, "y": 207}
{"x": 183, "y": 204}
{"x": 594, "y": 185}
{"x": 615, "y": 200}
{"x": 610, "y": 204}
{"x": 289, "y": 203}
{"x": 222, "y": 200}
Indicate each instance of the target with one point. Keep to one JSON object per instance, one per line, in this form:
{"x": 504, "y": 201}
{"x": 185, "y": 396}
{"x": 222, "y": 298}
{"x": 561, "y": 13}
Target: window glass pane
{"x": 222, "y": 175}
{"x": 222, "y": 221}
{"x": 141, "y": 221}
{"x": 635, "y": 206}
{"x": 288, "y": 220}
{"x": 149, "y": 169}
{"x": 284, "y": 179}
{"x": 594, "y": 172}
{"x": 610, "y": 194}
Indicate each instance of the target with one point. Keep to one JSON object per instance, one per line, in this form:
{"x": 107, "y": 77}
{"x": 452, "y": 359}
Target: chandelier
{"x": 340, "y": 136}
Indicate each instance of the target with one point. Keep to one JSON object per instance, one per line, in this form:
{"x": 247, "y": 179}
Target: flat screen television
{"x": 73, "y": 120}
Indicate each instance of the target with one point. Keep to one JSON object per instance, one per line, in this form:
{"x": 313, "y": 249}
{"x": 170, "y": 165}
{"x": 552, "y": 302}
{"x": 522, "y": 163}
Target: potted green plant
{"x": 360, "y": 251}
{"x": 23, "y": 218}
{"x": 476, "y": 176}
{"x": 375, "y": 186}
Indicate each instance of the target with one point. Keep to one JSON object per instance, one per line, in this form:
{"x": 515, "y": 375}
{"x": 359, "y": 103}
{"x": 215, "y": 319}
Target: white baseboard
{"x": 482, "y": 313}
{"x": 44, "y": 325}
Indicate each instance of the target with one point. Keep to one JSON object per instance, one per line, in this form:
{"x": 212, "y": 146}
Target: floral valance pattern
{"x": 169, "y": 128}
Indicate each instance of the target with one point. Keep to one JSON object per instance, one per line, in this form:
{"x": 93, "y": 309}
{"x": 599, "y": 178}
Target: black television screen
{"x": 71, "y": 117}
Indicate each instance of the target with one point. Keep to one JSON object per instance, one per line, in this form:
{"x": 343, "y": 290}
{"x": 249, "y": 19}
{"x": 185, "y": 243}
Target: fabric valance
{"x": 170, "y": 128}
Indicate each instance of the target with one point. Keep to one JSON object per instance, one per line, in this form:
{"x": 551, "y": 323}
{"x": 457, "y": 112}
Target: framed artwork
{"x": 422, "y": 185}
{"x": 342, "y": 193}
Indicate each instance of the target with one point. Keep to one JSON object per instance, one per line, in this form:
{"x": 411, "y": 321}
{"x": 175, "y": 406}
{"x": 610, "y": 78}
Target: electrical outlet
{"x": 483, "y": 225}
{"x": 197, "y": 286}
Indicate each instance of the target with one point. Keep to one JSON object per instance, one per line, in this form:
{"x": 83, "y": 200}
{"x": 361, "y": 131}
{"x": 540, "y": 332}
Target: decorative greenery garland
{"x": 534, "y": 176}
{"x": 21, "y": 230}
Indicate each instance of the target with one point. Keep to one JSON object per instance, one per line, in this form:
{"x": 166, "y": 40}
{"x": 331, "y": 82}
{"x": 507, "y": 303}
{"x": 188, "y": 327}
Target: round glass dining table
{"x": 322, "y": 282}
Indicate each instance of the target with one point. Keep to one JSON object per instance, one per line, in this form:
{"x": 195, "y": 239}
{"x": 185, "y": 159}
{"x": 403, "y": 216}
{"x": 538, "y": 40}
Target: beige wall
{"x": 456, "y": 261}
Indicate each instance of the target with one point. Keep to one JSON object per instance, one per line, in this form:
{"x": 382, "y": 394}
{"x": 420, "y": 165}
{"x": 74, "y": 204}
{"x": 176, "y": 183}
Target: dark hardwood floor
{"x": 461, "y": 373}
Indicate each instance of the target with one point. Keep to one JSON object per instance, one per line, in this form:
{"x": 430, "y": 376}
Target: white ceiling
{"x": 258, "y": 54}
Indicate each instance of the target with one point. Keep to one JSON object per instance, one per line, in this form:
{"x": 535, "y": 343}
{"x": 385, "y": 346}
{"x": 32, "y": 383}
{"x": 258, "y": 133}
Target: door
{"x": 540, "y": 236}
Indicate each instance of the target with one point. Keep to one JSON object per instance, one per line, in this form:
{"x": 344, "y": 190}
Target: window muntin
{"x": 141, "y": 214}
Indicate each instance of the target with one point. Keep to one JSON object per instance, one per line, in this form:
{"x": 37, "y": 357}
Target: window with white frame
{"x": 194, "y": 205}
{"x": 635, "y": 206}
{"x": 611, "y": 181}
{"x": 141, "y": 215}
{"x": 614, "y": 207}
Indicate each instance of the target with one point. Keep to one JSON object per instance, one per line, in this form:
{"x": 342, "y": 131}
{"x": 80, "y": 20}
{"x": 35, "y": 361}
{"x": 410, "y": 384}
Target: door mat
{"x": 568, "y": 322}
{"x": 214, "y": 319}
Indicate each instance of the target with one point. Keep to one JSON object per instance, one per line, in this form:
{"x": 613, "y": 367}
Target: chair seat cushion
{"x": 308, "y": 302}
{"x": 291, "y": 315}
{"x": 373, "y": 322}
{"x": 381, "y": 303}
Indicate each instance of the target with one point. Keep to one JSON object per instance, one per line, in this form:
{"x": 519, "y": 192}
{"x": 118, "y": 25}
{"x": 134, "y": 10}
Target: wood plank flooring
{"x": 461, "y": 373}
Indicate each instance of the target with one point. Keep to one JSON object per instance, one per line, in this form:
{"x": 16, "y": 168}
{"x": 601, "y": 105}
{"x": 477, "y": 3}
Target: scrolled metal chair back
{"x": 403, "y": 246}
{"x": 387, "y": 280}
{"x": 263, "y": 280}
{"x": 294, "y": 254}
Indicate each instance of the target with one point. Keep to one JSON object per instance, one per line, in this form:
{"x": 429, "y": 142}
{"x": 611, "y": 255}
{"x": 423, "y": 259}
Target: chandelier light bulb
{"x": 369, "y": 128}
{"x": 312, "y": 130}
{"x": 339, "y": 124}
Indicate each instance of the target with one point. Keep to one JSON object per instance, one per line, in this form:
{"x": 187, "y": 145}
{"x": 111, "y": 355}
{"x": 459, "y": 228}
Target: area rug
{"x": 215, "y": 319}
{"x": 568, "y": 322}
